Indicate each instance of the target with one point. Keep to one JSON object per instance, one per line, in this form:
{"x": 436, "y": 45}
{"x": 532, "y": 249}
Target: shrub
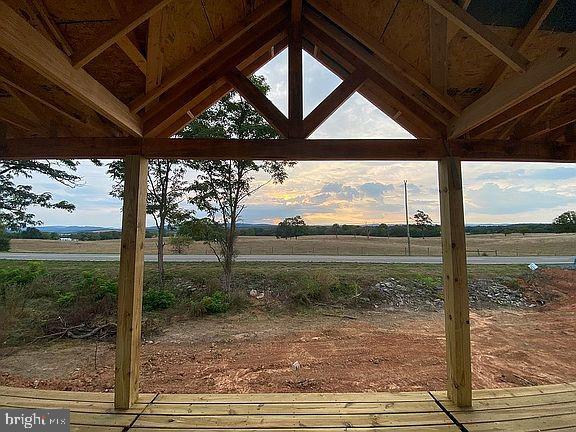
{"x": 22, "y": 275}
{"x": 308, "y": 290}
{"x": 216, "y": 303}
{"x": 157, "y": 299}
{"x": 65, "y": 299}
{"x": 4, "y": 243}
{"x": 98, "y": 286}
{"x": 345, "y": 289}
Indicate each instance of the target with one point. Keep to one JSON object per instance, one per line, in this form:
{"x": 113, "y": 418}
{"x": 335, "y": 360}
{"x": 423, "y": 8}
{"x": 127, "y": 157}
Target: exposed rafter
{"x": 532, "y": 117}
{"x": 355, "y": 50}
{"x": 51, "y": 27}
{"x": 174, "y": 105}
{"x": 538, "y": 99}
{"x": 220, "y": 90}
{"x": 332, "y": 102}
{"x": 438, "y": 51}
{"x": 295, "y": 83}
{"x": 144, "y": 10}
{"x": 210, "y": 53}
{"x": 133, "y": 53}
{"x": 538, "y": 82}
{"x": 155, "y": 61}
{"x": 393, "y": 60}
{"x": 481, "y": 33}
{"x": 551, "y": 125}
{"x": 394, "y": 96}
{"x": 260, "y": 102}
{"x": 522, "y": 39}
{"x": 22, "y": 41}
{"x": 377, "y": 96}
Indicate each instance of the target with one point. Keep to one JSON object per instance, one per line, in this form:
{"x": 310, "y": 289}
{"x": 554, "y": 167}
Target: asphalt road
{"x": 294, "y": 258}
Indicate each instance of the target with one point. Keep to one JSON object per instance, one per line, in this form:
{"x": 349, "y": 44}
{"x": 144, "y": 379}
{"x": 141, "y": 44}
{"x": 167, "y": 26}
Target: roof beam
{"x": 438, "y": 51}
{"x": 295, "y": 85}
{"x": 418, "y": 113}
{"x": 355, "y": 50}
{"x": 259, "y": 101}
{"x": 547, "y": 126}
{"x": 133, "y": 53}
{"x": 22, "y": 41}
{"x": 219, "y": 91}
{"x": 144, "y": 10}
{"x": 155, "y": 62}
{"x": 210, "y": 53}
{"x": 287, "y": 149}
{"x": 481, "y": 33}
{"x": 332, "y": 102}
{"x": 401, "y": 66}
{"x": 373, "y": 94}
{"x": 539, "y": 99}
{"x": 175, "y": 104}
{"x": 51, "y": 27}
{"x": 522, "y": 39}
{"x": 541, "y": 77}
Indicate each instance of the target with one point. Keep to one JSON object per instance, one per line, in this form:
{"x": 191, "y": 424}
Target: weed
{"x": 157, "y": 299}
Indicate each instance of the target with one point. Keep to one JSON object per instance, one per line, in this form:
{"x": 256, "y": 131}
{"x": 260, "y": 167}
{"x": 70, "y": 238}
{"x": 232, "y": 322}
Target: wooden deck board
{"x": 543, "y": 408}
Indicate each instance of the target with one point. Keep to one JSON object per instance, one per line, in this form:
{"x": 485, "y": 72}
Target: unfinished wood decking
{"x": 541, "y": 408}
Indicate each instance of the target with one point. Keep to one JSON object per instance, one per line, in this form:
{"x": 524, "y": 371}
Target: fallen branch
{"x": 92, "y": 332}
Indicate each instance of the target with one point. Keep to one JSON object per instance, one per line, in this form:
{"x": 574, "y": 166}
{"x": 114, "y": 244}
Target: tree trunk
{"x": 160, "y": 248}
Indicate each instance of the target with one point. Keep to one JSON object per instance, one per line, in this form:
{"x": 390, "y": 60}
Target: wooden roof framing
{"x": 146, "y": 68}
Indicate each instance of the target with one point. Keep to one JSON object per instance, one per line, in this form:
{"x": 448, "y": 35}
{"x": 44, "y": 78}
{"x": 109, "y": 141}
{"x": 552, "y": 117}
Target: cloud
{"x": 492, "y": 199}
{"x": 375, "y": 190}
{"x": 558, "y": 173}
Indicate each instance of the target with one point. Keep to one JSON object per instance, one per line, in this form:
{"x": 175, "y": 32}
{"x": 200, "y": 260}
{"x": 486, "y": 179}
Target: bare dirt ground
{"x": 510, "y": 245}
{"x": 378, "y": 351}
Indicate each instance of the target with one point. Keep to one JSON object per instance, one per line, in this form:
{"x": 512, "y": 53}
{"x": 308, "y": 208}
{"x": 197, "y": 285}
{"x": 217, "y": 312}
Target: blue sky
{"x": 353, "y": 192}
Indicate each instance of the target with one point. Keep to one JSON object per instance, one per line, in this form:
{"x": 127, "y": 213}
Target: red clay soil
{"x": 379, "y": 351}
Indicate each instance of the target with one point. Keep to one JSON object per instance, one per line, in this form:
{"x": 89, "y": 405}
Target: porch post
{"x": 456, "y": 304}
{"x": 130, "y": 283}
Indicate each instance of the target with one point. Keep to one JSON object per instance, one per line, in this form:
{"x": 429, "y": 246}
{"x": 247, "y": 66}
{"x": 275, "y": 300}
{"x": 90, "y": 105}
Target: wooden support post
{"x": 130, "y": 283}
{"x": 456, "y": 303}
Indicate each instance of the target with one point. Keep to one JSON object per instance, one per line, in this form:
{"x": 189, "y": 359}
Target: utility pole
{"x": 407, "y": 220}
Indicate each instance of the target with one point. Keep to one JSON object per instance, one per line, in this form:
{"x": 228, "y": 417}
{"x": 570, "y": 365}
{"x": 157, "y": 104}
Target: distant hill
{"x": 73, "y": 229}
{"x": 64, "y": 229}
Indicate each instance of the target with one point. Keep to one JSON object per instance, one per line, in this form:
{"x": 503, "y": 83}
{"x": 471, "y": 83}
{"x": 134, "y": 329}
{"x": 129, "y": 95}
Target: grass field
{"x": 496, "y": 244}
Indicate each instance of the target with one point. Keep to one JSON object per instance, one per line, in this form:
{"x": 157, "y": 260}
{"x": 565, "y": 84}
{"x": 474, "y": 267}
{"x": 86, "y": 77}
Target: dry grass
{"x": 515, "y": 244}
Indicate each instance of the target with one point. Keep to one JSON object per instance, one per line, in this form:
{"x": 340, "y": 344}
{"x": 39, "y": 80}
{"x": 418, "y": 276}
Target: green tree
{"x": 423, "y": 221}
{"x": 222, "y": 186}
{"x": 291, "y": 227}
{"x": 566, "y": 222}
{"x": 168, "y": 190}
{"x": 17, "y": 198}
{"x": 4, "y": 241}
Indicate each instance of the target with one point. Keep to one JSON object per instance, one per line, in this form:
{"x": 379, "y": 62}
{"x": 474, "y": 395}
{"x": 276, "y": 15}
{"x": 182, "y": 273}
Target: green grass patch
{"x": 36, "y": 298}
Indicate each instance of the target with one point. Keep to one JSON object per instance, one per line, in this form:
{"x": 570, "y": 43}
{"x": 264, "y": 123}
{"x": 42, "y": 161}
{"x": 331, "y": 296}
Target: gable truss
{"x": 364, "y": 63}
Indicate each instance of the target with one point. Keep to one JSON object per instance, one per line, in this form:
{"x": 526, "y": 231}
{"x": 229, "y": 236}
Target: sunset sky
{"x": 353, "y": 192}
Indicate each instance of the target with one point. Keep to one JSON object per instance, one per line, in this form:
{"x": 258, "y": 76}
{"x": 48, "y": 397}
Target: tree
{"x": 291, "y": 227}
{"x": 423, "y": 221}
{"x": 167, "y": 191}
{"x": 221, "y": 187}
{"x": 16, "y": 199}
{"x": 566, "y": 222}
{"x": 335, "y": 229}
{"x": 4, "y": 241}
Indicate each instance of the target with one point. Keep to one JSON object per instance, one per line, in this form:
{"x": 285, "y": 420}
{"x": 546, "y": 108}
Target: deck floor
{"x": 542, "y": 408}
